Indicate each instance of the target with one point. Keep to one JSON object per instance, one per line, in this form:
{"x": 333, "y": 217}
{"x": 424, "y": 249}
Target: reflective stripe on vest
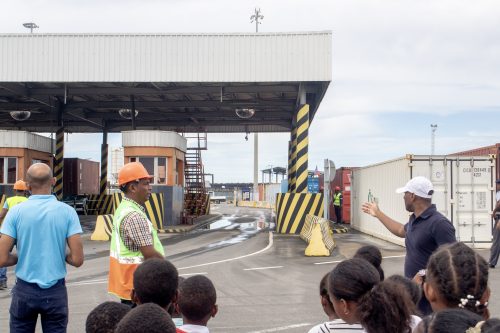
{"x": 122, "y": 261}
{"x": 12, "y": 201}
{"x": 336, "y": 199}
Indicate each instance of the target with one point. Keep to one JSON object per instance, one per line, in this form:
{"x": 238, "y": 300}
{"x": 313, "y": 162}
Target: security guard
{"x": 133, "y": 239}
{"x": 19, "y": 196}
{"x": 337, "y": 204}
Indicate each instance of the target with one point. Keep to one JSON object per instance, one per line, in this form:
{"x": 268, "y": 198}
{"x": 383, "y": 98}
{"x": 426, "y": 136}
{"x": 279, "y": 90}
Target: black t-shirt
{"x": 424, "y": 235}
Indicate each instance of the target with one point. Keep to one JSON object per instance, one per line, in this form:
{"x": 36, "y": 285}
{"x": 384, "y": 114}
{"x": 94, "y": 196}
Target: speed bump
{"x": 103, "y": 228}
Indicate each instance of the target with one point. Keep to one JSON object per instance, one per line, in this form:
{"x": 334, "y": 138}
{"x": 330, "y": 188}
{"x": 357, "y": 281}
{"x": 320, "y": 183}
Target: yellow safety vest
{"x": 122, "y": 261}
{"x": 336, "y": 199}
{"x": 12, "y": 201}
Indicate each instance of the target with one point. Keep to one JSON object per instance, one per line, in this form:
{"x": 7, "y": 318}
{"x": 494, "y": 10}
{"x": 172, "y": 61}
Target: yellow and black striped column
{"x": 59, "y": 163}
{"x": 104, "y": 176}
{"x": 302, "y": 149}
{"x": 292, "y": 175}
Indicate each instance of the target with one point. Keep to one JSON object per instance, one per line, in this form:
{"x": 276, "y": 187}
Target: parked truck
{"x": 216, "y": 198}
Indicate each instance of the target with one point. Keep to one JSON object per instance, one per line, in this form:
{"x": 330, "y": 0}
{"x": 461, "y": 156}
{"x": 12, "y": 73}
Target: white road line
{"x": 282, "y": 328}
{"x": 337, "y": 261}
{"x": 235, "y": 258}
{"x": 84, "y": 283}
{"x": 188, "y": 274}
{"x": 261, "y": 268}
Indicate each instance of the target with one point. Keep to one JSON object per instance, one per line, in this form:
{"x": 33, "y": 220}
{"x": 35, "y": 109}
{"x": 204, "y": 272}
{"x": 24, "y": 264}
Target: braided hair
{"x": 460, "y": 276}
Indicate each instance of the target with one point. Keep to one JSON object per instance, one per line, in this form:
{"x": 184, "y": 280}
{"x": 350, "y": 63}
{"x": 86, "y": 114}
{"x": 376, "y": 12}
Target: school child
{"x": 457, "y": 320}
{"x": 149, "y": 317}
{"x": 105, "y": 317}
{"x": 373, "y": 255}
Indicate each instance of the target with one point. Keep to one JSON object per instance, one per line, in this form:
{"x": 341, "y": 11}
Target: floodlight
{"x": 127, "y": 113}
{"x": 20, "y": 115}
{"x": 245, "y": 113}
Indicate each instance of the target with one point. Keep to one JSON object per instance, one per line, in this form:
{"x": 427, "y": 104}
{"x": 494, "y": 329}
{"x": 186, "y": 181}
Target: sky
{"x": 398, "y": 67}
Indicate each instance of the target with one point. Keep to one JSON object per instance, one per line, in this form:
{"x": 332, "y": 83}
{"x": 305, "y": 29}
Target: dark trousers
{"x": 338, "y": 214}
{"x": 495, "y": 245}
{"x": 29, "y": 301}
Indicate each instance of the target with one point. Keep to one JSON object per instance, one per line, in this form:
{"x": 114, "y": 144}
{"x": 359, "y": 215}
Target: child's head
{"x": 347, "y": 283}
{"x": 457, "y": 277}
{"x": 387, "y": 308}
{"x": 373, "y": 255}
{"x": 197, "y": 300}
{"x": 325, "y": 298}
{"x": 454, "y": 320}
{"x": 155, "y": 281}
{"x": 149, "y": 318}
{"x": 411, "y": 287}
{"x": 105, "y": 317}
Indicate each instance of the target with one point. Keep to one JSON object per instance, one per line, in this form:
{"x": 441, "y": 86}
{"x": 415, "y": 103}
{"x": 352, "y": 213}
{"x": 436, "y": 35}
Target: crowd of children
{"x": 355, "y": 296}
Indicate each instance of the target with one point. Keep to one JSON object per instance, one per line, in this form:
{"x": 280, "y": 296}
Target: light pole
{"x": 257, "y": 17}
{"x": 31, "y": 26}
{"x": 433, "y": 138}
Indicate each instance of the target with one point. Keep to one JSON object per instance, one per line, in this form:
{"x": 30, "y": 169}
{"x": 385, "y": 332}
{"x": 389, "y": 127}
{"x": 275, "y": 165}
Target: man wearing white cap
{"x": 426, "y": 229}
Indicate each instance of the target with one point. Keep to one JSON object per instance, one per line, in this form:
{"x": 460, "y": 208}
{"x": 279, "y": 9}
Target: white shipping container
{"x": 463, "y": 192}
{"x": 270, "y": 191}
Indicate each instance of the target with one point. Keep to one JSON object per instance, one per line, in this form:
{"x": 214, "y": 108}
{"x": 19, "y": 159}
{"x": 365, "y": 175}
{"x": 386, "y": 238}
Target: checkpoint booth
{"x": 162, "y": 154}
{"x": 18, "y": 151}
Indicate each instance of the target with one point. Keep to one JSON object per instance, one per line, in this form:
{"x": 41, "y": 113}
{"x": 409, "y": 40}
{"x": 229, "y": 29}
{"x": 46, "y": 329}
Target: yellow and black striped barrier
{"x": 100, "y": 205}
{"x": 154, "y": 208}
{"x": 292, "y": 159}
{"x": 103, "y": 228}
{"x": 59, "y": 163}
{"x": 292, "y": 208}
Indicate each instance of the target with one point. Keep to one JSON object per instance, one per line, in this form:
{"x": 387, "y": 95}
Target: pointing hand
{"x": 370, "y": 208}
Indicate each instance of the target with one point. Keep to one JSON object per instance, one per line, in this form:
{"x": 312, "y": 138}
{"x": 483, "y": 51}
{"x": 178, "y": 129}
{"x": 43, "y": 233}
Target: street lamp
{"x": 433, "y": 138}
{"x": 31, "y": 26}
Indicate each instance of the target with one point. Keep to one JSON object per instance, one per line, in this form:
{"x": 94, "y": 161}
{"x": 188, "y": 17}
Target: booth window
{"x": 8, "y": 170}
{"x": 156, "y": 166}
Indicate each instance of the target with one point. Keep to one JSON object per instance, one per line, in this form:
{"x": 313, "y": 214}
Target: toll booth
{"x": 18, "y": 151}
{"x": 163, "y": 154}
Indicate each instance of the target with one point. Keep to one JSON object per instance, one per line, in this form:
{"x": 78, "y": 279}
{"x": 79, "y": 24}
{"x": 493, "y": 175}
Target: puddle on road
{"x": 248, "y": 226}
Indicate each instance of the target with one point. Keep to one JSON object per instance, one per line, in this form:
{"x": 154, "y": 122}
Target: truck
{"x": 216, "y": 198}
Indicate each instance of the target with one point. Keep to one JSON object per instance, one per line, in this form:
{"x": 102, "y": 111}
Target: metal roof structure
{"x": 178, "y": 82}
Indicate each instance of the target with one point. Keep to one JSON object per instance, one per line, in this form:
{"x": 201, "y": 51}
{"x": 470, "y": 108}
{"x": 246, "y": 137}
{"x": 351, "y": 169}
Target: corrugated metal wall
{"x": 22, "y": 139}
{"x": 140, "y": 138}
{"x": 160, "y": 58}
{"x": 463, "y": 193}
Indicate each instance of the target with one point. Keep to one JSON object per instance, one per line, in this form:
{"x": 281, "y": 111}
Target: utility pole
{"x": 433, "y": 138}
{"x": 31, "y": 26}
{"x": 257, "y": 17}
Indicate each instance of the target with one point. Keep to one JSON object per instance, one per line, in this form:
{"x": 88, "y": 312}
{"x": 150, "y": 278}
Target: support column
{"x": 59, "y": 163}
{"x": 292, "y": 176}
{"x": 256, "y": 167}
{"x": 302, "y": 149}
{"x": 104, "y": 165}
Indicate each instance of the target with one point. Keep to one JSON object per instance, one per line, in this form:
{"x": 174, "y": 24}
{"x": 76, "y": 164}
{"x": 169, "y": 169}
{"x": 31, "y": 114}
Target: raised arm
{"x": 75, "y": 255}
{"x": 393, "y": 226}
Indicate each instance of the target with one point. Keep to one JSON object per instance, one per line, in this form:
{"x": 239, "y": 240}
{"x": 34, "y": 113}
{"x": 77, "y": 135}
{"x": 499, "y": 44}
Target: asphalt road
{"x": 264, "y": 282}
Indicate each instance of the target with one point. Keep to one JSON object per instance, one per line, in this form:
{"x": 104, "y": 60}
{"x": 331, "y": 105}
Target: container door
{"x": 472, "y": 199}
{"x": 346, "y": 195}
{"x": 436, "y": 170}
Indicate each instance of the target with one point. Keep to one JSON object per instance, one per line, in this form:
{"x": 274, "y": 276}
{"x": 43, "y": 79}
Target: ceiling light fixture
{"x": 127, "y": 113}
{"x": 245, "y": 113}
{"x": 20, "y": 115}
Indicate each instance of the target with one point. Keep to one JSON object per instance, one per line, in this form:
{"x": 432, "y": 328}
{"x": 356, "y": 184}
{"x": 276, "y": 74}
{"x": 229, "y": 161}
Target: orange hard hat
{"x": 337, "y": 188}
{"x": 20, "y": 186}
{"x": 132, "y": 171}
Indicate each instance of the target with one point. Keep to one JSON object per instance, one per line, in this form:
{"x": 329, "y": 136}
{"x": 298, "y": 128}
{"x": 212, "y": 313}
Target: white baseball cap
{"x": 419, "y": 186}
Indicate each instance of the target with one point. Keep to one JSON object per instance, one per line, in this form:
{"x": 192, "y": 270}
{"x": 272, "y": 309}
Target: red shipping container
{"x": 80, "y": 177}
{"x": 343, "y": 180}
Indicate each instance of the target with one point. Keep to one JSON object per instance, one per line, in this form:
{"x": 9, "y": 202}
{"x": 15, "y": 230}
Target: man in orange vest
{"x": 133, "y": 239}
{"x": 18, "y": 197}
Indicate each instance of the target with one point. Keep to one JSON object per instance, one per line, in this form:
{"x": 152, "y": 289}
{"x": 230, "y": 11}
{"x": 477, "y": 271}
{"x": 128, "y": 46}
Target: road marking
{"x": 261, "y": 268}
{"x": 236, "y": 258}
{"x": 337, "y": 261}
{"x": 84, "y": 283}
{"x": 188, "y": 274}
{"x": 282, "y": 328}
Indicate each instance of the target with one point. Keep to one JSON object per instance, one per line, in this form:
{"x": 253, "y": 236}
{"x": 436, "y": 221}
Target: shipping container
{"x": 463, "y": 192}
{"x": 80, "y": 177}
{"x": 343, "y": 180}
{"x": 484, "y": 151}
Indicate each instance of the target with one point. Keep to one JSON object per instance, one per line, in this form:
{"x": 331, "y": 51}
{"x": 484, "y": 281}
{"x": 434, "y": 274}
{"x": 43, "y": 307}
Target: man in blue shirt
{"x": 41, "y": 228}
{"x": 426, "y": 230}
